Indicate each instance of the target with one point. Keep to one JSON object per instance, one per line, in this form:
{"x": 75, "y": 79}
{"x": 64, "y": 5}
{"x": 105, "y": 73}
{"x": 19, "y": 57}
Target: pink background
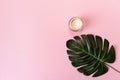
{"x": 33, "y": 36}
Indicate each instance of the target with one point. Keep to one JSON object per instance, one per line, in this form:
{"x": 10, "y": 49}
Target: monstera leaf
{"x": 90, "y": 54}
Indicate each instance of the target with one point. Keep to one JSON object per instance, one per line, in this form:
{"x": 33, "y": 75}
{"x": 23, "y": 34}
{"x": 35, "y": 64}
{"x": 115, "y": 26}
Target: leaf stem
{"x": 113, "y": 68}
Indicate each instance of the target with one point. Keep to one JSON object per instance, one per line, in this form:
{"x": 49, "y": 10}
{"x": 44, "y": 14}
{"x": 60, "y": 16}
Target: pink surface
{"x": 33, "y": 36}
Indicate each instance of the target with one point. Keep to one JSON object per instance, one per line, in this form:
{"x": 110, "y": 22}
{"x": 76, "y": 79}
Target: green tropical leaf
{"x": 90, "y": 54}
